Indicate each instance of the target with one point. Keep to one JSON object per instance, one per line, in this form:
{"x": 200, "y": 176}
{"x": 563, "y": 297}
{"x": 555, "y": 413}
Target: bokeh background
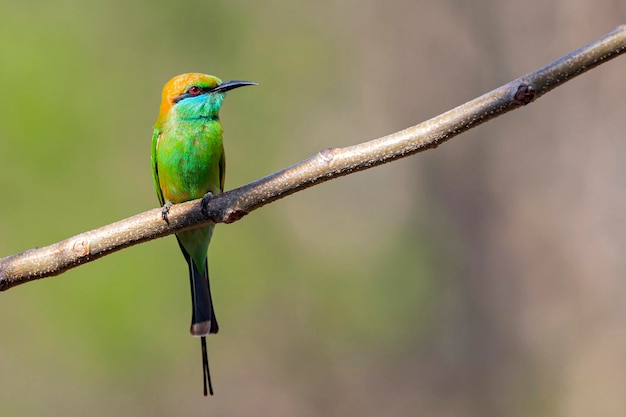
{"x": 484, "y": 278}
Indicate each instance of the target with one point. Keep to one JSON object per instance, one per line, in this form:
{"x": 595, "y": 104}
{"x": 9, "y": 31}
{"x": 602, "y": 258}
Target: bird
{"x": 188, "y": 163}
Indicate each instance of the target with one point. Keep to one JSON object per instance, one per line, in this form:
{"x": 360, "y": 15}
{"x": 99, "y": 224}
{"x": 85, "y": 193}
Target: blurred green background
{"x": 483, "y": 278}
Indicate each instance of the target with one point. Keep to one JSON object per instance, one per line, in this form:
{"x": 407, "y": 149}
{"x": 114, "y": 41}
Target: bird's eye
{"x": 194, "y": 90}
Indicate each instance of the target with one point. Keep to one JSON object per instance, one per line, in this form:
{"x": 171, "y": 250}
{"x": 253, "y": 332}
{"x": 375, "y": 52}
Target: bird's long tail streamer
{"x": 206, "y": 374}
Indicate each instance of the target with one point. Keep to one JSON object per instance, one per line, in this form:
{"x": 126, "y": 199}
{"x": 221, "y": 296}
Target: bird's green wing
{"x": 222, "y": 171}
{"x": 155, "y": 170}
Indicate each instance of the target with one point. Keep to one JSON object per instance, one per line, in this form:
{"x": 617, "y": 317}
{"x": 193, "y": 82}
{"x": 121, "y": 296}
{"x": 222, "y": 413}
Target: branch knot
{"x": 525, "y": 94}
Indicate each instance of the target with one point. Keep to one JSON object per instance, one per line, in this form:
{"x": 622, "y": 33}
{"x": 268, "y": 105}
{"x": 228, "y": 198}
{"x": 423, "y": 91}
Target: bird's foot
{"x": 165, "y": 211}
{"x": 204, "y": 205}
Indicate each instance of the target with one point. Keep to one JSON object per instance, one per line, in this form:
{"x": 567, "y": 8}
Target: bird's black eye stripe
{"x": 193, "y": 91}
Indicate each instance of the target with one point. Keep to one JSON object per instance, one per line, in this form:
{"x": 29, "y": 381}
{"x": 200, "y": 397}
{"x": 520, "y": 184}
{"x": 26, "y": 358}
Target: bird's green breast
{"x": 188, "y": 155}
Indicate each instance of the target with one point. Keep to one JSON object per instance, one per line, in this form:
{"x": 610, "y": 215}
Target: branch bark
{"x": 326, "y": 165}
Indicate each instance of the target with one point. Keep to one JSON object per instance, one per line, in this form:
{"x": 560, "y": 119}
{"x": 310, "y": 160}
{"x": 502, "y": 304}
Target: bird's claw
{"x": 204, "y": 205}
{"x": 165, "y": 211}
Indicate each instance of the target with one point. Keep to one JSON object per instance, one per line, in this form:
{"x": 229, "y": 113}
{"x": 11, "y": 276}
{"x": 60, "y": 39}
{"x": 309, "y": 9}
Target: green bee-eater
{"x": 187, "y": 163}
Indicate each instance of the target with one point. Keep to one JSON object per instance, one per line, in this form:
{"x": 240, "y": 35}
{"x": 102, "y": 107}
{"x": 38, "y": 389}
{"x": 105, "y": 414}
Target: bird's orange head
{"x": 193, "y": 85}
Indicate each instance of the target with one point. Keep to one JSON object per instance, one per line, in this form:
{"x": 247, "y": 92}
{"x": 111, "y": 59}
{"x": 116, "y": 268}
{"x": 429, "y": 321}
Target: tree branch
{"x": 326, "y": 165}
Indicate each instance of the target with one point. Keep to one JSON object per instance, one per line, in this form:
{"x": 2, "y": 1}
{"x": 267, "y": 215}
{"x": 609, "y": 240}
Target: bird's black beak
{"x": 229, "y": 85}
